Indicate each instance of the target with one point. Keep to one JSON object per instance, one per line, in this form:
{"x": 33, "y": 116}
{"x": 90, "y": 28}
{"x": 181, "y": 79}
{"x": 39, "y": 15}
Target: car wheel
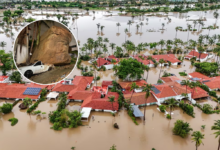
{"x": 28, "y": 74}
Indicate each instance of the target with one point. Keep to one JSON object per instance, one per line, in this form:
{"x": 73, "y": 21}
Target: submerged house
{"x": 107, "y": 62}
{"x": 95, "y": 99}
{"x": 166, "y": 57}
{"x": 199, "y": 56}
{"x": 213, "y": 83}
{"x": 195, "y": 93}
{"x": 126, "y": 86}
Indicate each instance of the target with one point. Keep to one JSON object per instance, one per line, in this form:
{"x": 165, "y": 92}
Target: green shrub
{"x": 187, "y": 108}
{"x": 7, "y": 108}
{"x": 162, "y": 108}
{"x": 168, "y": 116}
{"x": 13, "y": 121}
{"x": 35, "y": 105}
{"x": 183, "y": 74}
{"x": 181, "y": 128}
{"x": 36, "y": 112}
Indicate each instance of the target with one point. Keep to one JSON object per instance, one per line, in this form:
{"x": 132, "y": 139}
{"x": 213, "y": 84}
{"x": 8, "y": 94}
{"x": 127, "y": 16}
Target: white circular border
{"x": 66, "y": 28}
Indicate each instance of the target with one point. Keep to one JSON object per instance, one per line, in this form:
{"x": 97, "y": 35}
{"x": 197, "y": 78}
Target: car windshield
{"x": 37, "y": 63}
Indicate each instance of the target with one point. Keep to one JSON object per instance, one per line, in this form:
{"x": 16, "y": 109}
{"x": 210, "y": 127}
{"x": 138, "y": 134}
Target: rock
{"x": 22, "y": 106}
{"x": 116, "y": 126}
{"x": 53, "y": 47}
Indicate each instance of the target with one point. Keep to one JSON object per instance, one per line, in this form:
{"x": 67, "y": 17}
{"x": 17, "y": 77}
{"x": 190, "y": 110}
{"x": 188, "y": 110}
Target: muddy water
{"x": 110, "y": 31}
{"x": 100, "y": 134}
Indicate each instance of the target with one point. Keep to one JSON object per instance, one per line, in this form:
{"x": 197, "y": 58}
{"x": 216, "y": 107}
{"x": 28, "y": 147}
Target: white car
{"x": 36, "y": 68}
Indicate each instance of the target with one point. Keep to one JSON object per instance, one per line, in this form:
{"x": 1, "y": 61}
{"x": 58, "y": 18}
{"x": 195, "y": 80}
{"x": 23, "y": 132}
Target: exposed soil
{"x": 54, "y": 75}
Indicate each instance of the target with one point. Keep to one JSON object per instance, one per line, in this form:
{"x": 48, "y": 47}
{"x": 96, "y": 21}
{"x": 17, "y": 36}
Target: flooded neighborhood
{"x": 146, "y": 73}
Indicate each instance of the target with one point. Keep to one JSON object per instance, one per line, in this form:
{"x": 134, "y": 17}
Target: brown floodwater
{"x": 100, "y": 134}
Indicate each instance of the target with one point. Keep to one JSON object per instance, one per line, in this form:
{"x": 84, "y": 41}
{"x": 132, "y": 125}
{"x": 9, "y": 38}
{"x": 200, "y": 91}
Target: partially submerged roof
{"x": 140, "y": 98}
{"x": 137, "y": 112}
{"x": 86, "y": 112}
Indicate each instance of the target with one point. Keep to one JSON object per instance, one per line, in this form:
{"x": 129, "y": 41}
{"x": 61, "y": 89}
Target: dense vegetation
{"x": 206, "y": 68}
{"x": 181, "y": 128}
{"x": 187, "y": 108}
{"x": 13, "y": 121}
{"x": 130, "y": 69}
{"x": 62, "y": 118}
{"x": 6, "y": 108}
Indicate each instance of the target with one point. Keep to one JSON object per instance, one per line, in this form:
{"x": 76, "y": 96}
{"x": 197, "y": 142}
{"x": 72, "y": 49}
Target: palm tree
{"x": 126, "y": 31}
{"x": 147, "y": 68}
{"x": 112, "y": 45}
{"x": 94, "y": 64}
{"x": 141, "y": 24}
{"x": 133, "y": 87}
{"x": 206, "y": 37}
{"x": 102, "y": 27}
{"x": 161, "y": 61}
{"x": 197, "y": 138}
{"x": 186, "y": 83}
{"x": 177, "y": 28}
{"x": 129, "y": 23}
{"x": 194, "y": 22}
{"x": 118, "y": 24}
{"x": 193, "y": 85}
{"x": 189, "y": 28}
{"x": 216, "y": 126}
{"x": 98, "y": 26}
{"x": 162, "y": 43}
{"x": 163, "y": 25}
{"x": 137, "y": 26}
{"x": 171, "y": 103}
{"x": 147, "y": 89}
{"x": 216, "y": 15}
{"x": 115, "y": 68}
{"x": 111, "y": 99}
{"x": 201, "y": 50}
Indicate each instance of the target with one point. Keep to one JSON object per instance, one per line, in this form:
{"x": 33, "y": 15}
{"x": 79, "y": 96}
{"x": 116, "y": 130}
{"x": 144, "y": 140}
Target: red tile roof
{"x": 170, "y": 89}
{"x": 102, "y": 61}
{"x": 127, "y": 85}
{"x": 106, "y": 83}
{"x": 169, "y": 79}
{"x": 101, "y": 103}
{"x": 63, "y": 87}
{"x": 139, "y": 98}
{"x": 198, "y": 92}
{"x": 196, "y": 54}
{"x": 198, "y": 75}
{"x": 16, "y": 91}
{"x": 167, "y": 57}
{"x": 144, "y": 60}
{"x": 213, "y": 83}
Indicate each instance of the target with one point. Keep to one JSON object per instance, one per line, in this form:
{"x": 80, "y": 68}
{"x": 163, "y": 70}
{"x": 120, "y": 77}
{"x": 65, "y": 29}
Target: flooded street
{"x": 100, "y": 134}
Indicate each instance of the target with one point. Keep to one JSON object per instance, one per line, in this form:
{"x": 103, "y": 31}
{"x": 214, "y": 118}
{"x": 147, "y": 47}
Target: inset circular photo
{"x": 45, "y": 51}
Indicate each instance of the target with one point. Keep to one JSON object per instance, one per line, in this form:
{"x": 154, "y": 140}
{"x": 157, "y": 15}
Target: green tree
{"x": 197, "y": 137}
{"x": 130, "y": 69}
{"x": 147, "y": 68}
{"x": 161, "y": 61}
{"x": 27, "y": 102}
{"x": 111, "y": 99}
{"x": 118, "y": 25}
{"x": 7, "y": 61}
{"x": 112, "y": 45}
{"x": 113, "y": 147}
{"x": 147, "y": 89}
{"x": 171, "y": 103}
{"x": 16, "y": 77}
{"x": 216, "y": 127}
{"x": 181, "y": 128}
{"x": 186, "y": 83}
